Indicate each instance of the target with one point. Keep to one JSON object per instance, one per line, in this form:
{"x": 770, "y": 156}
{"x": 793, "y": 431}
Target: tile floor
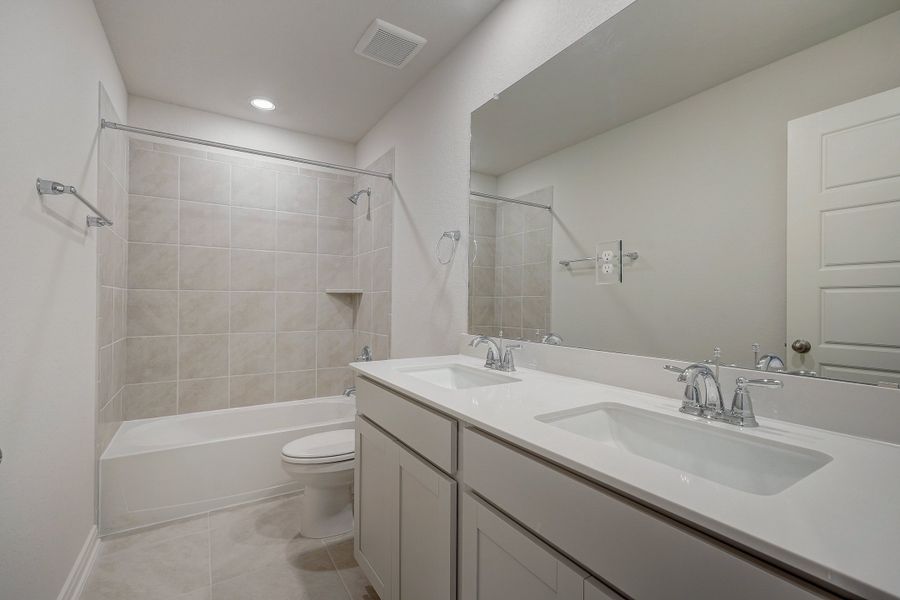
{"x": 248, "y": 552}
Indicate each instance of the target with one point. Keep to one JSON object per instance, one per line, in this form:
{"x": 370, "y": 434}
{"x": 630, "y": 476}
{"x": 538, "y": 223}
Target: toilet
{"x": 323, "y": 463}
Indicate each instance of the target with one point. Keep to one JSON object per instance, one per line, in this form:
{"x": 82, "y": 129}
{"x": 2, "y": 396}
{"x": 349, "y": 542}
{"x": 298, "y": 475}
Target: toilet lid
{"x": 328, "y": 446}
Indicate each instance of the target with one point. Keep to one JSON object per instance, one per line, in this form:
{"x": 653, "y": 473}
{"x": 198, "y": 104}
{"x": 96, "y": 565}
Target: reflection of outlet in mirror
{"x": 607, "y": 268}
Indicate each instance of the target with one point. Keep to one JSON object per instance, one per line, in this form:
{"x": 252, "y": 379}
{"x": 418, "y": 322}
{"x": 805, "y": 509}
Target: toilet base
{"x": 326, "y": 511}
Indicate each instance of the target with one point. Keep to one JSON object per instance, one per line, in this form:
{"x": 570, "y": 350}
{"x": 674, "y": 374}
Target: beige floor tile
{"x": 341, "y": 551}
{"x": 161, "y": 571}
{"x": 201, "y": 594}
{"x": 259, "y": 535}
{"x": 153, "y": 535}
{"x": 308, "y": 575}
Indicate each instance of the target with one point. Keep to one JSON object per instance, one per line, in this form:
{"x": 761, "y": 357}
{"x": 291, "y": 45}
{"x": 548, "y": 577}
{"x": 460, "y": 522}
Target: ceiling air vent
{"x": 389, "y": 44}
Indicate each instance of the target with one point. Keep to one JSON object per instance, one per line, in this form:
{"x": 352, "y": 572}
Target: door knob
{"x": 801, "y": 346}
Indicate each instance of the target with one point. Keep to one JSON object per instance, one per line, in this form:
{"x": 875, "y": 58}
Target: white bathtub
{"x": 160, "y": 469}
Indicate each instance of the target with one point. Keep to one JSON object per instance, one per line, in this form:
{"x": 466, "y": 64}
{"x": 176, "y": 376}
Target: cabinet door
{"x": 596, "y": 590}
{"x": 426, "y": 531}
{"x": 501, "y": 561}
{"x": 374, "y": 502}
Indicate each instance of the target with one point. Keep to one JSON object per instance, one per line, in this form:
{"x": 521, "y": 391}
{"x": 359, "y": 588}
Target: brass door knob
{"x": 801, "y": 346}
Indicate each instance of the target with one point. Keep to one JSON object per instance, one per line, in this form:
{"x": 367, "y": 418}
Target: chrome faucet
{"x": 699, "y": 400}
{"x": 706, "y": 400}
{"x": 496, "y": 358}
{"x": 365, "y": 354}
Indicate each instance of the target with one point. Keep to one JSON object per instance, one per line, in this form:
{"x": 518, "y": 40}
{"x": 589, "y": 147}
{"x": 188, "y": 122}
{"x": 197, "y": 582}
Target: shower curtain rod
{"x": 513, "y": 200}
{"x": 183, "y": 138}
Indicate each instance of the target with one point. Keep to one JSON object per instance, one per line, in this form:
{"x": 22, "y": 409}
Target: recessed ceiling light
{"x": 262, "y": 104}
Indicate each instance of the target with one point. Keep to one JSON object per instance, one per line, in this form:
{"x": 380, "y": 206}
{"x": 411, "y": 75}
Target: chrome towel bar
{"x": 45, "y": 187}
{"x": 567, "y": 262}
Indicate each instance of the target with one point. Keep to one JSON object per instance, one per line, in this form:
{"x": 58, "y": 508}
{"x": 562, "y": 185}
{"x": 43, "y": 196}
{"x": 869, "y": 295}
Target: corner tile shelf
{"x": 343, "y": 291}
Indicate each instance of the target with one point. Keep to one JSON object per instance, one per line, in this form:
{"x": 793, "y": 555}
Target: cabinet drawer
{"x": 636, "y": 550}
{"x": 430, "y": 434}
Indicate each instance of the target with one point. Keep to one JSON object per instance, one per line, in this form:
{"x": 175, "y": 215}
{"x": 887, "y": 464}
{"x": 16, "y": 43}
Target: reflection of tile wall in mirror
{"x": 509, "y": 287}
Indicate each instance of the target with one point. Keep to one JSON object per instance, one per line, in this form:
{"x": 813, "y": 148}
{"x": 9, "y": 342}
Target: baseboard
{"x": 71, "y": 590}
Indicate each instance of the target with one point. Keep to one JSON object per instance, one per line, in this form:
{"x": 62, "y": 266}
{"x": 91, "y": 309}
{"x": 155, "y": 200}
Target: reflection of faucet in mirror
{"x": 554, "y": 339}
{"x": 767, "y": 362}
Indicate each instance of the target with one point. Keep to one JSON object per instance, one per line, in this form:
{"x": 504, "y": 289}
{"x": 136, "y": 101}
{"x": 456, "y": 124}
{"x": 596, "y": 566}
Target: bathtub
{"x": 160, "y": 469}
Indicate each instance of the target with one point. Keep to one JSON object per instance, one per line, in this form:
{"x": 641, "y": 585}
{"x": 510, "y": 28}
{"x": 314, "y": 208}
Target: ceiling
{"x": 215, "y": 55}
{"x": 651, "y": 55}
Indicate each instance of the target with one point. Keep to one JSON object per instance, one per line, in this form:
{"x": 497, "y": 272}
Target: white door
{"x": 426, "y": 532}
{"x": 501, "y": 561}
{"x": 375, "y": 485}
{"x": 843, "y": 241}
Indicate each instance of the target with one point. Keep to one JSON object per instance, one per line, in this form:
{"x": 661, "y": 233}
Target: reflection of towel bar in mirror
{"x": 632, "y": 255}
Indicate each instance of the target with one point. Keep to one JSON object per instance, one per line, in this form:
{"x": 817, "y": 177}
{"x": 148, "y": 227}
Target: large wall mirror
{"x": 696, "y": 174}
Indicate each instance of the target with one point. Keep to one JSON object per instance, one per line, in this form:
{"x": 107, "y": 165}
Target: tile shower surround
{"x": 372, "y": 243}
{"x": 228, "y": 260}
{"x": 112, "y": 252}
{"x": 509, "y": 282}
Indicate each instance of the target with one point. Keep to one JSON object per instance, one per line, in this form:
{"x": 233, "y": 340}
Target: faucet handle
{"x": 742, "y": 406}
{"x": 769, "y": 383}
{"x": 509, "y": 362}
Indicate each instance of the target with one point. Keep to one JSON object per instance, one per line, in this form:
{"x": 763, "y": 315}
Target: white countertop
{"x": 841, "y": 524}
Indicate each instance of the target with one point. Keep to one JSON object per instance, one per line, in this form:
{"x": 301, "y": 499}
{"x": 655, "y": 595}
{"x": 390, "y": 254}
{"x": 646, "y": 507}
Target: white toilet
{"x": 323, "y": 463}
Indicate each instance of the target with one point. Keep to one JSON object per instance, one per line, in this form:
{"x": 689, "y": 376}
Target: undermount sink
{"x": 731, "y": 458}
{"x": 457, "y": 377}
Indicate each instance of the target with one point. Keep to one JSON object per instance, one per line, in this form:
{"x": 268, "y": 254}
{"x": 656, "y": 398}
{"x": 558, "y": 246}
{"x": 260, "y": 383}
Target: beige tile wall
{"x": 372, "y": 247}
{"x": 112, "y": 250}
{"x": 509, "y": 280}
{"x": 228, "y": 262}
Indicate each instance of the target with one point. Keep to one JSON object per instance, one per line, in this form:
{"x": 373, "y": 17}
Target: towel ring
{"x": 454, "y": 237}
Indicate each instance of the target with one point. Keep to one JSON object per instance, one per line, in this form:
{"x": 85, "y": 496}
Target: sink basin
{"x": 731, "y": 458}
{"x": 457, "y": 377}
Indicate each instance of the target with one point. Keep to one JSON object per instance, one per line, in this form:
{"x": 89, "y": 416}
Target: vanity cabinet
{"x": 640, "y": 552}
{"x": 405, "y": 526}
{"x": 528, "y": 529}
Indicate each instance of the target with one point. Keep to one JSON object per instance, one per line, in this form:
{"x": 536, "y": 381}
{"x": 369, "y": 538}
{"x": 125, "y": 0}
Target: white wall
{"x": 481, "y": 182}
{"x": 162, "y": 116}
{"x": 699, "y": 189}
{"x": 54, "y": 53}
{"x": 429, "y": 128}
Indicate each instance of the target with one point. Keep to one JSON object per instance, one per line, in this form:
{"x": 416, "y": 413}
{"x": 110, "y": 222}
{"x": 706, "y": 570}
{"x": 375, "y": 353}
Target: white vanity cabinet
{"x": 405, "y": 527}
{"x": 527, "y": 528}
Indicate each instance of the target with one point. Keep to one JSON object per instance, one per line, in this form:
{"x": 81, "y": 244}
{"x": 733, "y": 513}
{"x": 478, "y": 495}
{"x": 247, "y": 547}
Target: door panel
{"x": 426, "y": 532}
{"x": 374, "y": 503}
{"x": 501, "y": 560}
{"x": 843, "y": 246}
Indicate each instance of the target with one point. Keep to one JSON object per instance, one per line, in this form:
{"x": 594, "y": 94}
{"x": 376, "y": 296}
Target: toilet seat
{"x": 327, "y": 447}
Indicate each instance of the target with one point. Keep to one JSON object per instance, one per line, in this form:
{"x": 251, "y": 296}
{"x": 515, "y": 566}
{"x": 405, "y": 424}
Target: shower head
{"x": 354, "y": 198}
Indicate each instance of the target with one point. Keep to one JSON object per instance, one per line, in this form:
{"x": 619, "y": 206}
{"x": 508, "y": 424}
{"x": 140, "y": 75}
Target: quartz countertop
{"x": 839, "y": 525}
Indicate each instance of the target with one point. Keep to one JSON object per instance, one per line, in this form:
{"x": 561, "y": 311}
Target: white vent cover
{"x": 388, "y": 44}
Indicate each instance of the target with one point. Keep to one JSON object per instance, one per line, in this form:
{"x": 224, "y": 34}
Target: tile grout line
{"x": 178, "y": 302}
{"x": 336, "y": 569}
{"x": 230, "y": 291}
{"x": 276, "y": 286}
